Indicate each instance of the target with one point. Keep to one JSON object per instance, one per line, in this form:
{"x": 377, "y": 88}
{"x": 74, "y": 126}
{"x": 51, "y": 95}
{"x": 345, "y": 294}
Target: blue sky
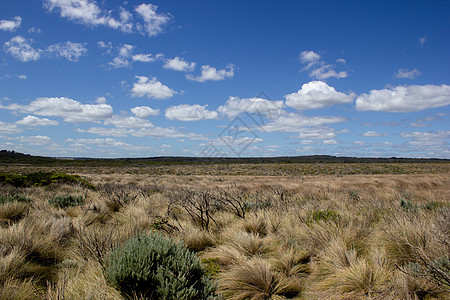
{"x": 95, "y": 78}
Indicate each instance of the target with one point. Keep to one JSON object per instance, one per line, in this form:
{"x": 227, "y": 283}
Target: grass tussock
{"x": 258, "y": 237}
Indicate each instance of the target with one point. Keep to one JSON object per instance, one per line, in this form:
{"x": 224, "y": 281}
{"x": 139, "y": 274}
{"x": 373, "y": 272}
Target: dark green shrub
{"x": 42, "y": 179}
{"x": 66, "y": 201}
{"x": 155, "y": 267}
{"x": 16, "y": 197}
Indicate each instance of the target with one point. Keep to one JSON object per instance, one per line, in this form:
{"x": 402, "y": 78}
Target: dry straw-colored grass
{"x": 300, "y": 237}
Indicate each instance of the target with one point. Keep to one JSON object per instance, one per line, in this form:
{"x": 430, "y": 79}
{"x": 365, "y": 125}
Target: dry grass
{"x": 308, "y": 237}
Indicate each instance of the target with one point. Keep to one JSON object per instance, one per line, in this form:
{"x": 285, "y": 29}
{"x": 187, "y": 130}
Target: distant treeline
{"x": 14, "y": 157}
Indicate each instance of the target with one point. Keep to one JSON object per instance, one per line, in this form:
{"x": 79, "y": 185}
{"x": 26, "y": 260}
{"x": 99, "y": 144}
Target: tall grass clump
{"x": 155, "y": 267}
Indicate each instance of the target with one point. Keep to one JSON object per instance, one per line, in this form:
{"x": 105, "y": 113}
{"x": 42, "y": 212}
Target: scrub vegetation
{"x": 143, "y": 235}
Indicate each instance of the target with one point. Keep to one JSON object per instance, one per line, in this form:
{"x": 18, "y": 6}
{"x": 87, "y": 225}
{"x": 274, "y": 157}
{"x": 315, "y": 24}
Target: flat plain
{"x": 260, "y": 230}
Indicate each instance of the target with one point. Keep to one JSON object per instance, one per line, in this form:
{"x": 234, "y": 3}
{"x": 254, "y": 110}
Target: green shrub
{"x": 155, "y": 267}
{"x": 407, "y": 205}
{"x": 14, "y": 198}
{"x": 42, "y": 179}
{"x": 323, "y": 215}
{"x": 66, "y": 201}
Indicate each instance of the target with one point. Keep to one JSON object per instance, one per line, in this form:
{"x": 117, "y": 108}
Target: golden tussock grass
{"x": 266, "y": 237}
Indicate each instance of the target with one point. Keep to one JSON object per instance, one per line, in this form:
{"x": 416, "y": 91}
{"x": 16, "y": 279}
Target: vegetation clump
{"x": 42, "y": 179}
{"x": 155, "y": 267}
{"x": 66, "y": 201}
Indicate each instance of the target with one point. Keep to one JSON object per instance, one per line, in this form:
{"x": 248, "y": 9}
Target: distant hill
{"x": 7, "y": 156}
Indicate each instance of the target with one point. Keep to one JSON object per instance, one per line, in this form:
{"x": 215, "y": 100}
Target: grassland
{"x": 262, "y": 230}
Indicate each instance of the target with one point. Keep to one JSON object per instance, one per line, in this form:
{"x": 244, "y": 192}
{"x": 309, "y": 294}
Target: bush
{"x": 66, "y": 201}
{"x": 323, "y": 215}
{"x": 42, "y": 179}
{"x": 14, "y": 198}
{"x": 158, "y": 268}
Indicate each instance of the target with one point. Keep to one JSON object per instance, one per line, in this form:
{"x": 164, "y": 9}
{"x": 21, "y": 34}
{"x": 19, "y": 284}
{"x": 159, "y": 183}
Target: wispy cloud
{"x": 405, "y": 73}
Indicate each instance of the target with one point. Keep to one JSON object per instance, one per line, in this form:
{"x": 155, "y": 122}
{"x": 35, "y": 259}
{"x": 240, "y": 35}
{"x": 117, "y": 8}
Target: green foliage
{"x": 323, "y": 215}
{"x": 407, "y": 205}
{"x": 155, "y": 267}
{"x": 42, "y": 179}
{"x": 212, "y": 266}
{"x": 66, "y": 201}
{"x": 14, "y": 198}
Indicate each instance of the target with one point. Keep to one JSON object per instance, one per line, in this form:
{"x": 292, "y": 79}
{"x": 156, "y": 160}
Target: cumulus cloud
{"x": 145, "y": 58}
{"x": 153, "y": 21}
{"x": 153, "y": 132}
{"x": 235, "y": 105}
{"x": 211, "y": 73}
{"x": 144, "y": 111}
{"x": 317, "y": 133}
{"x": 125, "y": 56}
{"x": 327, "y": 71}
{"x": 294, "y": 122}
{"x": 405, "y": 73}
{"x": 21, "y": 49}
{"x": 70, "y": 110}
{"x": 37, "y": 140}
{"x": 9, "y": 128}
{"x": 316, "y": 94}
{"x": 88, "y": 12}
{"x": 428, "y": 138}
{"x": 128, "y": 122}
{"x": 179, "y": 64}
{"x": 68, "y": 50}
{"x": 405, "y": 98}
{"x": 317, "y": 67}
{"x": 33, "y": 121}
{"x": 310, "y": 58}
{"x": 151, "y": 88}
{"x": 122, "y": 60}
{"x": 10, "y": 25}
{"x": 373, "y": 134}
{"x": 185, "y": 112}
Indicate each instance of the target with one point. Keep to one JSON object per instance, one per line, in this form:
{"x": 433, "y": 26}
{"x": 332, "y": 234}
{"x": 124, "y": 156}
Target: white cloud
{"x": 21, "y": 49}
{"x": 37, "y": 140}
{"x": 68, "y": 50}
{"x": 294, "y": 123}
{"x": 151, "y": 88}
{"x": 88, "y": 12}
{"x": 317, "y": 133}
{"x": 22, "y": 76}
{"x": 235, "y": 105}
{"x": 9, "y": 128}
{"x": 70, "y": 110}
{"x": 405, "y": 73}
{"x": 34, "y": 30}
{"x": 310, "y": 58}
{"x": 330, "y": 142}
{"x": 10, "y": 25}
{"x": 128, "y": 122}
{"x": 145, "y": 58}
{"x": 326, "y": 72}
{"x": 423, "y": 40}
{"x": 405, "y": 98}
{"x": 153, "y": 22}
{"x": 179, "y": 64}
{"x": 373, "y": 134}
{"x": 144, "y": 111}
{"x": 316, "y": 94}
{"x": 319, "y": 69}
{"x": 185, "y": 112}
{"x": 429, "y": 138}
{"x": 211, "y": 73}
{"x": 108, "y": 46}
{"x": 33, "y": 121}
{"x": 122, "y": 60}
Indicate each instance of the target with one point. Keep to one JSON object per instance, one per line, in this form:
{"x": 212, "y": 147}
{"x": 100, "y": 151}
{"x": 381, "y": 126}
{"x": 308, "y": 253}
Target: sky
{"x": 93, "y": 78}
